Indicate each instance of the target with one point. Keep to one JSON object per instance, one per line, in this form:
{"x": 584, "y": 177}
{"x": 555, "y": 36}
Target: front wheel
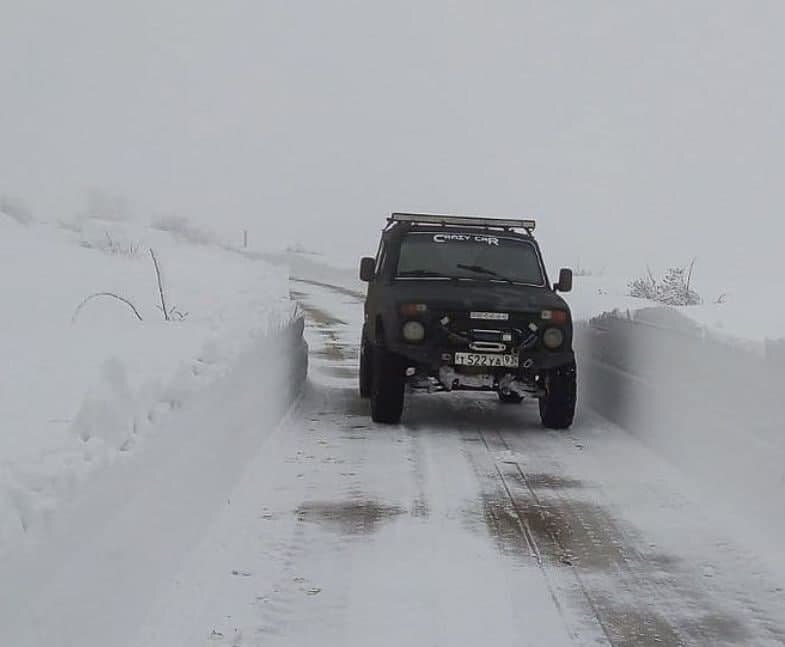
{"x": 388, "y": 383}
{"x": 365, "y": 367}
{"x": 557, "y": 405}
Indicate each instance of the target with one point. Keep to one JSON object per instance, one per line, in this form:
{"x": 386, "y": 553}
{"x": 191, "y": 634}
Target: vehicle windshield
{"x": 477, "y": 256}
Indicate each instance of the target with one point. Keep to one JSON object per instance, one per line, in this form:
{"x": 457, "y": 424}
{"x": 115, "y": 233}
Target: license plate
{"x": 486, "y": 359}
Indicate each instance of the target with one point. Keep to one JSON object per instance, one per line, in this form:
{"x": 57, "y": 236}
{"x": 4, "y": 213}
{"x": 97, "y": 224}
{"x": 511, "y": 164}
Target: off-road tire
{"x": 510, "y": 398}
{"x": 366, "y": 366}
{"x": 557, "y": 405}
{"x": 388, "y": 384}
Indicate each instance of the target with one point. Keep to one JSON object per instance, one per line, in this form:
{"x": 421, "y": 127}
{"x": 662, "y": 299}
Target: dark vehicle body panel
{"x": 448, "y": 304}
{"x": 456, "y": 299}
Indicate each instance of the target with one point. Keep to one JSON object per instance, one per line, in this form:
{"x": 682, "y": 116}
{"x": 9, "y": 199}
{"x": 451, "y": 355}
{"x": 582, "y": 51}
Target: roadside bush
{"x": 673, "y": 289}
{"x": 117, "y": 240}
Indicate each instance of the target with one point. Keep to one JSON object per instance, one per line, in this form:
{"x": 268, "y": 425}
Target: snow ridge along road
{"x": 468, "y": 524}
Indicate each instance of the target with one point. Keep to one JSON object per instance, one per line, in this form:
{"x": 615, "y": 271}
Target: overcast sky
{"x": 633, "y": 131}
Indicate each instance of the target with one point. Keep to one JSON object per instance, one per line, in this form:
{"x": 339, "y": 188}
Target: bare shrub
{"x": 645, "y": 287}
{"x": 105, "y": 294}
{"x": 172, "y": 313}
{"x": 163, "y": 307}
{"x": 674, "y": 289}
{"x": 118, "y": 244}
{"x": 120, "y": 247}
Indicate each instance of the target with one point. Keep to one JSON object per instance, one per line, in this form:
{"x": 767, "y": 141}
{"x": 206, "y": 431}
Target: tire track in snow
{"x": 549, "y": 523}
{"x": 327, "y": 326}
{"x": 518, "y": 541}
{"x": 433, "y": 499}
{"x": 645, "y": 594}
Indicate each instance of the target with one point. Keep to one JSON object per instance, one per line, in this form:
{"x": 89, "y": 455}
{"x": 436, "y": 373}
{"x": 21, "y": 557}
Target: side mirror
{"x": 367, "y": 269}
{"x": 565, "y": 281}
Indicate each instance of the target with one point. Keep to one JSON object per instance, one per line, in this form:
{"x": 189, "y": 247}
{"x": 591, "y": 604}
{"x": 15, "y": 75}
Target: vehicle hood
{"x": 476, "y": 295}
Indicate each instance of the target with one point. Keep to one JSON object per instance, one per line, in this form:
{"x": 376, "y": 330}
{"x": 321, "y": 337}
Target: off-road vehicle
{"x": 464, "y": 303}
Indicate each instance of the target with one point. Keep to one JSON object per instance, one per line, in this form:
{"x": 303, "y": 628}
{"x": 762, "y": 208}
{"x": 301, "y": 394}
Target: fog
{"x": 635, "y": 133}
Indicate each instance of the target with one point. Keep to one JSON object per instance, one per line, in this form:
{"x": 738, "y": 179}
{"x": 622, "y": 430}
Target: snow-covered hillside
{"x": 81, "y": 387}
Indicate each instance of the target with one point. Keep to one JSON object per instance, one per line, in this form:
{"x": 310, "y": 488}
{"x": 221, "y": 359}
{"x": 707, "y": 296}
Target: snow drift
{"x": 711, "y": 406}
{"x": 79, "y": 391}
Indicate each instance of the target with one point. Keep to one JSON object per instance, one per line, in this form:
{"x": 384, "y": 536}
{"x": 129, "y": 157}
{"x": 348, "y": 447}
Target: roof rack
{"x": 462, "y": 221}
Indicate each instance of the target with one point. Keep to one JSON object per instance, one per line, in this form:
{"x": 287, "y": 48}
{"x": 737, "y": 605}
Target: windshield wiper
{"x": 426, "y": 273}
{"x": 479, "y": 269}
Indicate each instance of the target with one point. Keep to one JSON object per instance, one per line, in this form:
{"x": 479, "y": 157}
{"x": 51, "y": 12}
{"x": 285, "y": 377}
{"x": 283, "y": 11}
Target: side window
{"x": 381, "y": 256}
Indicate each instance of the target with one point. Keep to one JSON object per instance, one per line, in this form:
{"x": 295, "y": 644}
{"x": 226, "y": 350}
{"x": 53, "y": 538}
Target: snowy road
{"x": 468, "y": 524}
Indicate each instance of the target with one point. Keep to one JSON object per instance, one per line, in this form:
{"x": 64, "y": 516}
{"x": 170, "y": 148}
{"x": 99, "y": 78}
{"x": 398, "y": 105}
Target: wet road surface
{"x": 468, "y": 524}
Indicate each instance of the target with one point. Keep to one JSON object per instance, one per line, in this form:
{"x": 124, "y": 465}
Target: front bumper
{"x": 433, "y": 357}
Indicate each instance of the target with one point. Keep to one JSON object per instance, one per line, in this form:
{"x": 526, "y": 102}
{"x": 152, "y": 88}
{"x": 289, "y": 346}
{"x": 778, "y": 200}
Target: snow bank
{"x": 737, "y": 312}
{"x": 707, "y": 400}
{"x": 79, "y": 392}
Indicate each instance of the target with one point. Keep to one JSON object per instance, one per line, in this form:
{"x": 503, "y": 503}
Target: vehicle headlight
{"x": 553, "y": 338}
{"x": 413, "y": 331}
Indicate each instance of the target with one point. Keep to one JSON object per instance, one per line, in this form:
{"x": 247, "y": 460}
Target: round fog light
{"x": 413, "y": 331}
{"x": 553, "y": 338}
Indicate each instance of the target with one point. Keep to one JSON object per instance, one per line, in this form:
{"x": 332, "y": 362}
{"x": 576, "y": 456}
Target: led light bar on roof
{"x": 434, "y": 219}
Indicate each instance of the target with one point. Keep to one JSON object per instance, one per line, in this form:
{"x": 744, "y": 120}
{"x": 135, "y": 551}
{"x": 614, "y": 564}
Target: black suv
{"x": 463, "y": 303}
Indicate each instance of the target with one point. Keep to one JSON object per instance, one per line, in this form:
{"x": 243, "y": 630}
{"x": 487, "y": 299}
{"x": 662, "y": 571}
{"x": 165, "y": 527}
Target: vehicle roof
{"x": 399, "y": 229}
{"x": 400, "y": 223}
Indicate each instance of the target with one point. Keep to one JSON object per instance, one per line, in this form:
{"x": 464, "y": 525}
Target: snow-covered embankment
{"x": 710, "y": 404}
{"x": 82, "y": 390}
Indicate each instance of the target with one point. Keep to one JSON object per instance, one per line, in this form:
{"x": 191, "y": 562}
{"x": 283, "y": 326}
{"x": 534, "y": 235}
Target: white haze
{"x": 634, "y": 131}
